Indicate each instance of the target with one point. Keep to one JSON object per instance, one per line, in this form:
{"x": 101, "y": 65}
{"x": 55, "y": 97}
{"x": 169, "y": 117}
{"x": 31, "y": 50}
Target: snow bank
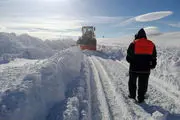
{"x": 41, "y": 87}
{"x": 78, "y": 106}
{"x": 168, "y": 67}
{"x": 60, "y": 44}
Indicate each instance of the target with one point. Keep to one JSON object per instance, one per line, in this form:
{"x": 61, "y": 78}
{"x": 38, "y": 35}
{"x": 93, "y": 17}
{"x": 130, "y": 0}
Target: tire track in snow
{"x": 87, "y": 78}
{"x": 103, "y": 105}
{"x": 117, "y": 107}
{"x": 166, "y": 99}
{"x": 135, "y": 112}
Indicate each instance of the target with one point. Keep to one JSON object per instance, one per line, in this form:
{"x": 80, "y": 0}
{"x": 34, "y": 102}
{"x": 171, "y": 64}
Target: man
{"x": 141, "y": 55}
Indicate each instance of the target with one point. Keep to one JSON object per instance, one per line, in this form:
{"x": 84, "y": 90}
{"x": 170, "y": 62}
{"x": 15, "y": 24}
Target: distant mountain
{"x": 169, "y": 39}
{"x": 25, "y": 46}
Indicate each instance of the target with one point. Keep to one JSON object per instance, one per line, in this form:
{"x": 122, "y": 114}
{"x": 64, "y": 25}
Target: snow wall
{"x": 41, "y": 88}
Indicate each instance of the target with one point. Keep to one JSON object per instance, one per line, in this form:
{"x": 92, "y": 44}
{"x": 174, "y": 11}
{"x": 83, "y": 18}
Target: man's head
{"x": 141, "y": 34}
{"x": 135, "y": 36}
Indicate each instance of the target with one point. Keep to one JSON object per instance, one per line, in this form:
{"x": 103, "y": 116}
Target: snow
{"x": 86, "y": 85}
{"x": 157, "y": 115}
{"x": 31, "y": 89}
{"x": 72, "y": 112}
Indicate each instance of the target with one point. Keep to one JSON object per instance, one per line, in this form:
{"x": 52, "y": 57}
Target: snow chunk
{"x": 72, "y": 111}
{"x": 157, "y": 115}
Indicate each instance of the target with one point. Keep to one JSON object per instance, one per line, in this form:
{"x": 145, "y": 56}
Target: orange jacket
{"x": 143, "y": 46}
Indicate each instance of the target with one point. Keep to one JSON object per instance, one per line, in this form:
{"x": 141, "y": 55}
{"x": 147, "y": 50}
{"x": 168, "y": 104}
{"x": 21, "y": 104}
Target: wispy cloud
{"x": 153, "y": 16}
{"x": 103, "y": 19}
{"x": 125, "y": 22}
{"x": 59, "y": 25}
{"x": 41, "y": 25}
{"x": 175, "y": 24}
{"x": 152, "y": 30}
{"x": 55, "y": 35}
{"x": 2, "y": 28}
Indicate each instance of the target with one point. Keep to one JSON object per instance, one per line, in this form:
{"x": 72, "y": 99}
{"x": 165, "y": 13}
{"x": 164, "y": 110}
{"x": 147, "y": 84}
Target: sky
{"x": 48, "y": 19}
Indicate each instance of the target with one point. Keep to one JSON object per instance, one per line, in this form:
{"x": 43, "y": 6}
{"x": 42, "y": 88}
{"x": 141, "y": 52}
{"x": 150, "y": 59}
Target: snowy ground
{"x": 89, "y": 85}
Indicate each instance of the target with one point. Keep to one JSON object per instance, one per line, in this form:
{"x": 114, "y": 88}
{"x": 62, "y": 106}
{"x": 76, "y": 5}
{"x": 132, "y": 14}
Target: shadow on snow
{"x": 166, "y": 114}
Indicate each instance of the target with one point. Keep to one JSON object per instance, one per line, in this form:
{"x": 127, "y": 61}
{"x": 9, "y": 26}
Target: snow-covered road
{"x": 111, "y": 78}
{"x": 92, "y": 86}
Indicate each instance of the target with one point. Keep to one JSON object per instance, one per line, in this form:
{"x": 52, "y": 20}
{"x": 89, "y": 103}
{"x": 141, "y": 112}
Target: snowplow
{"x": 87, "y": 40}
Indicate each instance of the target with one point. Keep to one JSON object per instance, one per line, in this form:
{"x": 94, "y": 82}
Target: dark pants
{"x": 142, "y": 84}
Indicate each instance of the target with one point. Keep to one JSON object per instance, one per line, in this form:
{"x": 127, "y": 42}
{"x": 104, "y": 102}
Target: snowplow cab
{"x": 87, "y": 40}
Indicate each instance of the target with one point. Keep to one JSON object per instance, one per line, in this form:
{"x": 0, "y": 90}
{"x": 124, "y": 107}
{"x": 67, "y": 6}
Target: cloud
{"x": 2, "y": 28}
{"x": 91, "y": 19}
{"x": 146, "y": 17}
{"x": 175, "y": 25}
{"x": 126, "y": 22}
{"x": 50, "y": 25}
{"x": 64, "y": 21}
{"x": 153, "y": 16}
{"x": 36, "y": 29}
{"x": 55, "y": 35}
{"x": 152, "y": 30}
{"x": 2, "y": 1}
{"x": 103, "y": 19}
{"x": 61, "y": 24}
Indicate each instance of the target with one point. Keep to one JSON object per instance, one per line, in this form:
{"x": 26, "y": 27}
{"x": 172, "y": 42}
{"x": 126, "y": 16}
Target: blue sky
{"x": 112, "y": 18}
